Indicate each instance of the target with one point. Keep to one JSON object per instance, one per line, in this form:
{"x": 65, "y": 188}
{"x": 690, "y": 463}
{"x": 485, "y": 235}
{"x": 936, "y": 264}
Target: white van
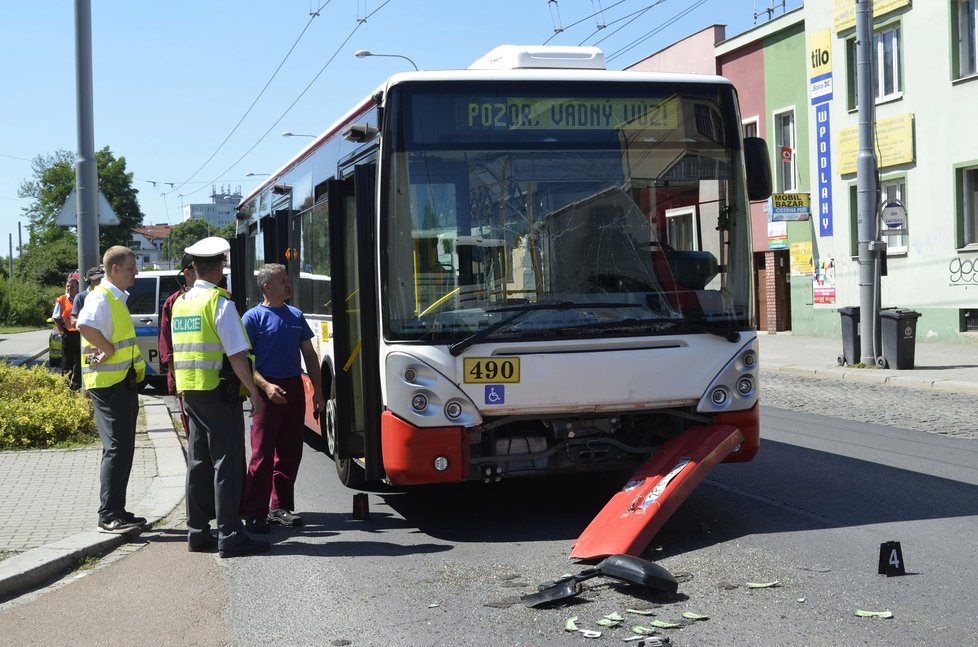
{"x": 145, "y": 303}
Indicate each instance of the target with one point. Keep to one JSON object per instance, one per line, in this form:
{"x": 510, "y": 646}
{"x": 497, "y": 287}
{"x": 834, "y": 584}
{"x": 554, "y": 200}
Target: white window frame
{"x": 890, "y": 33}
{"x": 967, "y": 27}
{"x": 751, "y": 127}
{"x": 969, "y": 206}
{"x": 896, "y": 189}
{"x": 785, "y": 169}
{"x": 690, "y": 222}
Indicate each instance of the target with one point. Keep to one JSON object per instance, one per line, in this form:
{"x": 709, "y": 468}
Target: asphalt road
{"x": 445, "y": 566}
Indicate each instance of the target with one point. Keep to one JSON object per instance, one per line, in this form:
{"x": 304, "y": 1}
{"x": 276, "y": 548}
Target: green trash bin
{"x": 898, "y": 328}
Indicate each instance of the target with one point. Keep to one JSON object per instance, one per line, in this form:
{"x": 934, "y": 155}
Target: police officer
{"x": 112, "y": 367}
{"x": 210, "y": 363}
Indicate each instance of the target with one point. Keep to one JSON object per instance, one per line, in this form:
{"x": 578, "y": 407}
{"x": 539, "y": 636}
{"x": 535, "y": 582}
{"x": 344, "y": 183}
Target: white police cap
{"x": 210, "y": 246}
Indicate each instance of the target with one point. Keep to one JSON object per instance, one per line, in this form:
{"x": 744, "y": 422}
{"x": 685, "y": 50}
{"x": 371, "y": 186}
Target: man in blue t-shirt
{"x": 279, "y": 335}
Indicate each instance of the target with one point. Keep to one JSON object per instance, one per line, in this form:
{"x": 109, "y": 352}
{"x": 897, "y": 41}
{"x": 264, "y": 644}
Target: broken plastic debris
{"x": 433, "y": 605}
{"x": 874, "y": 614}
{"x": 762, "y": 585}
{"x": 800, "y": 600}
{"x": 641, "y": 612}
{"x": 689, "y": 615}
{"x": 631, "y": 638}
{"x": 605, "y": 622}
{"x": 639, "y": 629}
{"x": 614, "y": 616}
{"x": 587, "y": 633}
{"x": 569, "y": 624}
{"x": 660, "y": 624}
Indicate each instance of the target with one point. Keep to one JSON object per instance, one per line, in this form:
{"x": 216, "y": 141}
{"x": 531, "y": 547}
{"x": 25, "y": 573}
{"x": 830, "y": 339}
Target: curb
{"x": 875, "y": 376}
{"x": 30, "y": 568}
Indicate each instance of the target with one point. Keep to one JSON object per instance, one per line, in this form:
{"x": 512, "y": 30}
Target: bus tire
{"x": 350, "y": 474}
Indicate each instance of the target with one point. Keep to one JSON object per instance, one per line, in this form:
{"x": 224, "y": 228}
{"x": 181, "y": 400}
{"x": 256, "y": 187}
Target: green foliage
{"x": 50, "y": 263}
{"x": 39, "y": 410}
{"x": 189, "y": 232}
{"x": 24, "y": 303}
{"x": 54, "y": 178}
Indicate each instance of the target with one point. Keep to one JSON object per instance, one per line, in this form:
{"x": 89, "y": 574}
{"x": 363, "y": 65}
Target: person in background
{"x": 112, "y": 368}
{"x": 186, "y": 279}
{"x": 92, "y": 278}
{"x": 210, "y": 363}
{"x": 280, "y": 336}
{"x": 70, "y": 339}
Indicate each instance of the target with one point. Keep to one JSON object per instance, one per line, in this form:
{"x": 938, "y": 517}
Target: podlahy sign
{"x": 790, "y": 206}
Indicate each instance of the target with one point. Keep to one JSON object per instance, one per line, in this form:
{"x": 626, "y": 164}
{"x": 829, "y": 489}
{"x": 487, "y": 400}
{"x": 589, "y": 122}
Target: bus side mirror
{"x": 758, "y": 166}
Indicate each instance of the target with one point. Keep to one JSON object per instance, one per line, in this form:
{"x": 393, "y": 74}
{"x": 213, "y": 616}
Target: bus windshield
{"x": 623, "y": 204}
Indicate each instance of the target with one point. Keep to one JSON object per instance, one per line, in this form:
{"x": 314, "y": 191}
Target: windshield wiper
{"x": 698, "y": 325}
{"x": 523, "y": 310}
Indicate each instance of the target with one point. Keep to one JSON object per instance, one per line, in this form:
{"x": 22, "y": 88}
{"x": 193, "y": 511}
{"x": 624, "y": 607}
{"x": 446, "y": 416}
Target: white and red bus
{"x": 532, "y": 266}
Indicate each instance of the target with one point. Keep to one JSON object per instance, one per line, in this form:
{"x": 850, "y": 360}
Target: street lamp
{"x": 363, "y": 53}
{"x": 289, "y": 133}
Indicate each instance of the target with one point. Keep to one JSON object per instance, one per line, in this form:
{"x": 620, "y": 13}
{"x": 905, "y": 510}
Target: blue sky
{"x": 171, "y": 79}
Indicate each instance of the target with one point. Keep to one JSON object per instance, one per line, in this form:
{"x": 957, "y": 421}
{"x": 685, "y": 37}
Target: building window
{"x": 784, "y": 150}
{"x": 966, "y": 180}
{"x": 887, "y": 58}
{"x": 895, "y": 190}
{"x": 750, "y": 125}
{"x": 964, "y": 17}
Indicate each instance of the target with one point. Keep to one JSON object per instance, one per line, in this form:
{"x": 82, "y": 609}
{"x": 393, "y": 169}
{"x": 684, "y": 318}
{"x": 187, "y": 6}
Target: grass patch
{"x": 87, "y": 563}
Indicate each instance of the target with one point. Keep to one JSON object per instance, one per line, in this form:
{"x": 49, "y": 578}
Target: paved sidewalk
{"x": 50, "y": 497}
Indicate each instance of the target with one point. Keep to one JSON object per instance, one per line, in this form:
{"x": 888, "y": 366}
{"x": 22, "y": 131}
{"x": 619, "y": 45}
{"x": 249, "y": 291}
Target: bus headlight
{"x": 453, "y": 409}
{"x": 745, "y": 385}
{"x": 719, "y": 396}
{"x": 419, "y": 402}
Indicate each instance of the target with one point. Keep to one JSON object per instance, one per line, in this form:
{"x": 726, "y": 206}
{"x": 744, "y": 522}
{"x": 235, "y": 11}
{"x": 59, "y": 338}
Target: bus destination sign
{"x": 567, "y": 114}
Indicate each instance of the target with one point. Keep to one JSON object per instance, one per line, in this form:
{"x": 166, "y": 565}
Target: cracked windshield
{"x": 571, "y": 210}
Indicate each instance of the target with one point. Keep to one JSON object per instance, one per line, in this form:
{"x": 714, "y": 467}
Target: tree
{"x": 54, "y": 178}
{"x": 189, "y": 232}
{"x": 48, "y": 263}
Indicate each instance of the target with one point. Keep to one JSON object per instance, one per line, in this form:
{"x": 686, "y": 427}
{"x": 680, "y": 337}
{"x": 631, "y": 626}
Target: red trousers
{"x": 276, "y": 449}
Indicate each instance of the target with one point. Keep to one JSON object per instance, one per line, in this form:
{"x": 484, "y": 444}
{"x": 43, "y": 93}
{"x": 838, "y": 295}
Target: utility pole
{"x": 10, "y": 240}
{"x": 867, "y": 188}
{"x": 86, "y": 170}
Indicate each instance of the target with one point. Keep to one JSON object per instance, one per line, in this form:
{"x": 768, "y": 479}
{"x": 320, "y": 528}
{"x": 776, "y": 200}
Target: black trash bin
{"x": 850, "y": 336}
{"x": 898, "y": 328}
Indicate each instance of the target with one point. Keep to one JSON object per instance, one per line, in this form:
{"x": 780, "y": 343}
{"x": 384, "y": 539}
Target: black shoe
{"x": 131, "y": 518}
{"x": 285, "y": 518}
{"x": 117, "y": 524}
{"x": 257, "y": 525}
{"x": 241, "y": 544}
{"x": 204, "y": 543}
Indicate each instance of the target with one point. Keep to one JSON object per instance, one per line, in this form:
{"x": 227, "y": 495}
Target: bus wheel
{"x": 351, "y": 474}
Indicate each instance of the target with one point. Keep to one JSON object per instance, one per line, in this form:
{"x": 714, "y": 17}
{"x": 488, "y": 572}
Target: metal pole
{"x": 86, "y": 169}
{"x": 20, "y": 240}
{"x": 11, "y": 241}
{"x": 867, "y": 200}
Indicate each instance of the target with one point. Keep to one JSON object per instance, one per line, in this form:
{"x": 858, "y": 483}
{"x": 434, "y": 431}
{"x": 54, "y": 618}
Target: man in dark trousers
{"x": 70, "y": 339}
{"x": 210, "y": 363}
{"x": 279, "y": 335}
{"x": 186, "y": 279}
{"x": 112, "y": 367}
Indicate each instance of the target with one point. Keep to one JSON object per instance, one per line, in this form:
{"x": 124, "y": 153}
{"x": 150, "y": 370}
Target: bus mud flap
{"x": 631, "y": 518}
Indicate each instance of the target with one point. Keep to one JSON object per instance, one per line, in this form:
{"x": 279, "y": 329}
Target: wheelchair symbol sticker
{"x": 495, "y": 394}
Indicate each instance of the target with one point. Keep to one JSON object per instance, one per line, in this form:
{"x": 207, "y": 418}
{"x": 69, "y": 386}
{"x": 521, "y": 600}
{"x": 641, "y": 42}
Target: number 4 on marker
{"x": 891, "y": 559}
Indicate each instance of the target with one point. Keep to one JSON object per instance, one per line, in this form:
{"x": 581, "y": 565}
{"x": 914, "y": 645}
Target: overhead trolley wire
{"x": 632, "y": 17}
{"x": 578, "y": 22}
{"x": 641, "y": 39}
{"x": 312, "y": 16}
{"x": 360, "y": 22}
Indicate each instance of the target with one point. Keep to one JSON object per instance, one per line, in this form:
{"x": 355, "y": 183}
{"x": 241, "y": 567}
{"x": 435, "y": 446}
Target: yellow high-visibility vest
{"x": 113, "y": 368}
{"x": 197, "y": 351}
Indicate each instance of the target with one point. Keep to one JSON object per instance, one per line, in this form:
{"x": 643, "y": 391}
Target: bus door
{"x": 355, "y": 328}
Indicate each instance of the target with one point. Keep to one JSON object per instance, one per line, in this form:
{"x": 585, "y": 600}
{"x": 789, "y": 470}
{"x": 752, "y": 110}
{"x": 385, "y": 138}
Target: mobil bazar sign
{"x": 790, "y": 206}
